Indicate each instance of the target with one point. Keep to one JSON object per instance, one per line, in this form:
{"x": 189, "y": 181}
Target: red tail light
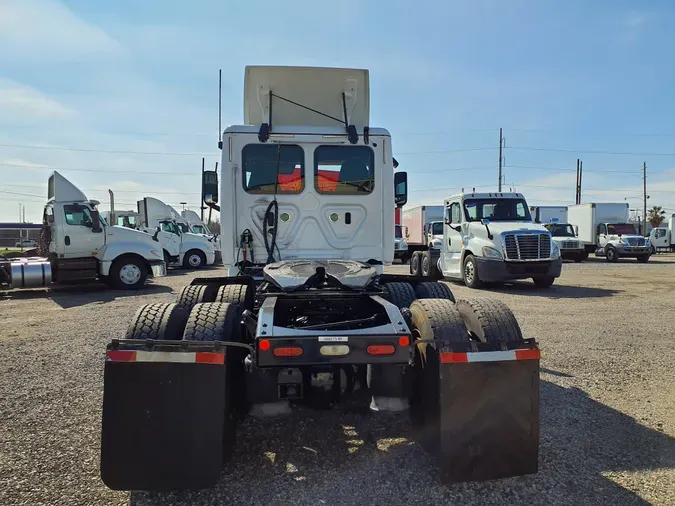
{"x": 287, "y": 351}
{"x": 404, "y": 341}
{"x": 381, "y": 349}
{"x": 264, "y": 345}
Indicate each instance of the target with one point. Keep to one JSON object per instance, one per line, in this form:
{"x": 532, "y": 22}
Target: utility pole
{"x": 201, "y": 203}
{"x": 644, "y": 196}
{"x": 501, "y": 144}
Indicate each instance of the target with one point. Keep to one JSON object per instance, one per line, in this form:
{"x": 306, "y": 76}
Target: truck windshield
{"x": 621, "y": 229}
{"x": 398, "y": 234}
{"x": 437, "y": 228}
{"x": 198, "y": 229}
{"x": 496, "y": 209}
{"x": 184, "y": 227}
{"x": 561, "y": 230}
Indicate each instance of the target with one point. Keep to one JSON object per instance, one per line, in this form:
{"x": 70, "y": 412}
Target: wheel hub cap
{"x": 194, "y": 260}
{"x": 468, "y": 272}
{"x": 130, "y": 274}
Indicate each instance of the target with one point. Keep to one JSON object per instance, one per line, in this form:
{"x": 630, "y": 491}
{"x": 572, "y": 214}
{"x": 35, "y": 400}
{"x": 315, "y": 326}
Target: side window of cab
{"x": 455, "y": 213}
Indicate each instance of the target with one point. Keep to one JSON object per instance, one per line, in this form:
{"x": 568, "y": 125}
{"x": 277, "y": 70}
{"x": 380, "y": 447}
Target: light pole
{"x": 183, "y": 204}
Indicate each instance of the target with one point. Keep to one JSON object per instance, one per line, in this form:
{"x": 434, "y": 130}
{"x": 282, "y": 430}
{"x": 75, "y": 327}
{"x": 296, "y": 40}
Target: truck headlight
{"x": 555, "y": 252}
{"x": 489, "y": 252}
{"x": 625, "y": 242}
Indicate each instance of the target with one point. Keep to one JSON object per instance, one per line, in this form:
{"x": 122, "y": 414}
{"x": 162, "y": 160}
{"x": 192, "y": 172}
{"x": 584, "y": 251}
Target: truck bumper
{"x": 157, "y": 268}
{"x": 571, "y": 254}
{"x": 495, "y": 270}
{"x": 634, "y": 251}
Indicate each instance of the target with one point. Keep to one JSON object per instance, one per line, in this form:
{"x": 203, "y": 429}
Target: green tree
{"x": 656, "y": 216}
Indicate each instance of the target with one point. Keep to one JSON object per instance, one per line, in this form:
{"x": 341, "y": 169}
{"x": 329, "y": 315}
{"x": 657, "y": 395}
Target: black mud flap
{"x": 479, "y": 414}
{"x": 164, "y": 415}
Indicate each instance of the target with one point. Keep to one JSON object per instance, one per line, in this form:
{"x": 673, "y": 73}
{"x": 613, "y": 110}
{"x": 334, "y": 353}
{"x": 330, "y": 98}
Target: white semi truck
{"x": 662, "y": 238}
{"x": 77, "y": 245}
{"x": 303, "y": 313}
{"x": 400, "y": 244}
{"x": 423, "y": 227}
{"x": 604, "y": 229}
{"x": 564, "y": 236}
{"x": 198, "y": 226}
{"x": 181, "y": 248}
{"x": 490, "y": 237}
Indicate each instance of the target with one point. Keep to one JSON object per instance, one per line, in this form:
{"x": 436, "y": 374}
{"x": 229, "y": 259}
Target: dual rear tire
{"x": 425, "y": 263}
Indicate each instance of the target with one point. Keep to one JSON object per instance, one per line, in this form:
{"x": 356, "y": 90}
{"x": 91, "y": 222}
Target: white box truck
{"x": 423, "y": 228}
{"x": 662, "y": 238}
{"x": 604, "y": 229}
{"x": 546, "y": 214}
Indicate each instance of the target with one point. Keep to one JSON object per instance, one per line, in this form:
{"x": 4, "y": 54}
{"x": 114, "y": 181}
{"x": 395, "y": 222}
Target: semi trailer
{"x": 77, "y": 245}
{"x": 423, "y": 228}
{"x": 304, "y": 314}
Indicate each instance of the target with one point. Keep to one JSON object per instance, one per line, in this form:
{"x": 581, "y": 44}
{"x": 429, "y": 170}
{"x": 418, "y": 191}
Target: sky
{"x": 124, "y": 95}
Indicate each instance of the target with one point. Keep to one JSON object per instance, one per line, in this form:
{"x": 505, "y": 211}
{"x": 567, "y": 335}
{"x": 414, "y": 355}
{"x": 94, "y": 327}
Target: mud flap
{"x": 479, "y": 413}
{"x": 164, "y": 416}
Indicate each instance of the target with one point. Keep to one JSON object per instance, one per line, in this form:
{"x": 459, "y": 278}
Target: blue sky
{"x": 85, "y": 87}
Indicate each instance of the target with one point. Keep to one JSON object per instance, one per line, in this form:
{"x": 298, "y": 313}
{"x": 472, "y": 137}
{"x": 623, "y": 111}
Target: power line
{"x": 42, "y": 187}
{"x": 587, "y": 151}
{"x": 110, "y": 171}
{"x": 113, "y": 152}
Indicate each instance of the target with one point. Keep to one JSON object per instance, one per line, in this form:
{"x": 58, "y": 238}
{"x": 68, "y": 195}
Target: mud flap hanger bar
{"x": 352, "y": 134}
{"x": 478, "y": 347}
{"x": 154, "y": 344}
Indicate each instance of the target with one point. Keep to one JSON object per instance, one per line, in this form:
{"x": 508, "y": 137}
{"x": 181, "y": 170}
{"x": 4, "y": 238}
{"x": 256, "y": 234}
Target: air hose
{"x": 273, "y": 217}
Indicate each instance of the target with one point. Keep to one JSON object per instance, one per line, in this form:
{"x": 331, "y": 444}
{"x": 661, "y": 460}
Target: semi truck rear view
{"x": 304, "y": 315}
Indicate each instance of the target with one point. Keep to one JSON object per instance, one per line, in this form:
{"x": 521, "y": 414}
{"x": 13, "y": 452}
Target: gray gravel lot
{"x": 608, "y": 405}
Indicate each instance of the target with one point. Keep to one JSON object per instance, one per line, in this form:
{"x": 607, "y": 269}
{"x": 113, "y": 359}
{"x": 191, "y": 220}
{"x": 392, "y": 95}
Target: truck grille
{"x": 568, "y": 245}
{"x": 527, "y": 246}
{"x": 636, "y": 241}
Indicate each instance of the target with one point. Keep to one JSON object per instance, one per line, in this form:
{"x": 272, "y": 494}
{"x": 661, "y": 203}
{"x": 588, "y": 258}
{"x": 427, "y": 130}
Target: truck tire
{"x": 400, "y": 294}
{"x": 431, "y": 319}
{"x": 643, "y": 258}
{"x": 489, "y": 320}
{"x": 611, "y": 254}
{"x": 580, "y": 257}
{"x": 236, "y": 294}
{"x": 162, "y": 322}
{"x": 425, "y": 264}
{"x": 543, "y": 282}
{"x": 191, "y": 295}
{"x": 470, "y": 272}
{"x": 433, "y": 290}
{"x": 212, "y": 321}
{"x": 128, "y": 273}
{"x": 194, "y": 259}
{"x": 415, "y": 263}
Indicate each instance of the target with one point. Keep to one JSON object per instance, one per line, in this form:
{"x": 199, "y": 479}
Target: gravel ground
{"x": 607, "y": 413}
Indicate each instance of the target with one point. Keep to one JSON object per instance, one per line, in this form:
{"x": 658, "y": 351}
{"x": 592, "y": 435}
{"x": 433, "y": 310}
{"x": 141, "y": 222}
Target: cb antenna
{"x": 220, "y": 104}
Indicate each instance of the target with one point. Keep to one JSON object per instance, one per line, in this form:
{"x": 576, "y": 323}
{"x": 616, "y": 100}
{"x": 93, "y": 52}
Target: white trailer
{"x": 423, "y": 227}
{"x": 662, "y": 238}
{"x": 605, "y": 230}
{"x": 76, "y": 244}
{"x": 548, "y": 214}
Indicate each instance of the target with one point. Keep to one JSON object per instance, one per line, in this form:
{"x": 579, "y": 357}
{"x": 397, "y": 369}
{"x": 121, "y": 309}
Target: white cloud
{"x": 46, "y": 30}
{"x": 18, "y": 101}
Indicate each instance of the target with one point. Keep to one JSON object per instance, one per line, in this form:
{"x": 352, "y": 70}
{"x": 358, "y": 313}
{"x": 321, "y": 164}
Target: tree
{"x": 656, "y": 216}
{"x": 214, "y": 226}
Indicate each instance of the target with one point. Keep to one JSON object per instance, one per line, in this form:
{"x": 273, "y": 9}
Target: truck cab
{"x": 490, "y": 237}
{"x": 400, "y": 244}
{"x": 617, "y": 240}
{"x": 433, "y": 233}
{"x": 79, "y": 245}
{"x": 180, "y": 248}
{"x": 661, "y": 239}
{"x": 564, "y": 236}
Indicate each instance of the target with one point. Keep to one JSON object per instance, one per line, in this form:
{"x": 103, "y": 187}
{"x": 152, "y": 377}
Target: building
{"x": 12, "y": 233}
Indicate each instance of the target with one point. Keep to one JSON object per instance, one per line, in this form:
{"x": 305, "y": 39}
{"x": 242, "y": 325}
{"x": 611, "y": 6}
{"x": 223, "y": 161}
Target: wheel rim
{"x": 610, "y": 254}
{"x": 469, "y": 272}
{"x": 425, "y": 265}
{"x": 130, "y": 274}
{"x": 194, "y": 260}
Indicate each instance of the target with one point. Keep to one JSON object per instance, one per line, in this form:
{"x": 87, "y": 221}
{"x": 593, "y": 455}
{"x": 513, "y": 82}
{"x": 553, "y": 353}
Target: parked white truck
{"x": 605, "y": 231}
{"x": 490, "y": 237}
{"x": 400, "y": 244}
{"x": 571, "y": 248}
{"x": 423, "y": 228}
{"x": 310, "y": 318}
{"x": 191, "y": 251}
{"x": 662, "y": 237}
{"x": 76, "y": 244}
{"x": 545, "y": 214}
{"x": 198, "y": 226}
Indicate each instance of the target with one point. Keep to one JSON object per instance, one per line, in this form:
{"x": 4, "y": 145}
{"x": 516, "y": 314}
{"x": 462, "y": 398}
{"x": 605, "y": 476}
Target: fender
{"x": 200, "y": 243}
{"x": 108, "y": 253}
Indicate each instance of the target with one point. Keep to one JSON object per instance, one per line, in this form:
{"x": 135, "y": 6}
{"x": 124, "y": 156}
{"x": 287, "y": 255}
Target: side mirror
{"x": 95, "y": 222}
{"x": 210, "y": 186}
{"x": 485, "y": 221}
{"x": 400, "y": 188}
